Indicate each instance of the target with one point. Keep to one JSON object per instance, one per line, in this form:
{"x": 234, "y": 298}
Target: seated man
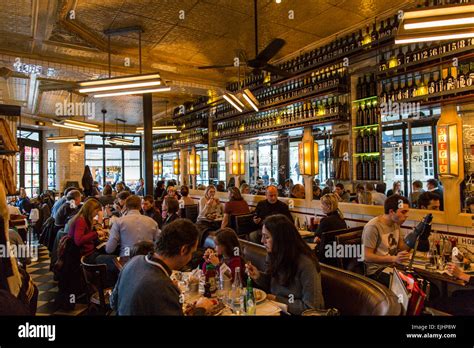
{"x": 382, "y": 240}
{"x": 342, "y": 195}
{"x": 429, "y": 201}
{"x": 433, "y": 186}
{"x": 144, "y": 286}
{"x": 148, "y": 208}
{"x": 132, "y": 228}
{"x": 270, "y": 206}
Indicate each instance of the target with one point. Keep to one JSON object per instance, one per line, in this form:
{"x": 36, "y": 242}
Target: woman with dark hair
{"x": 227, "y": 251}
{"x": 185, "y": 196}
{"x": 159, "y": 189}
{"x": 293, "y": 274}
{"x": 88, "y": 183}
{"x": 171, "y": 206}
{"x": 231, "y": 182}
{"x": 107, "y": 197}
{"x": 235, "y": 206}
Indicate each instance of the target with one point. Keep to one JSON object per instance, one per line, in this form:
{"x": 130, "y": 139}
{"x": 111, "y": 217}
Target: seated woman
{"x": 185, "y": 196}
{"x": 293, "y": 274}
{"x": 210, "y": 208}
{"x": 334, "y": 220}
{"x": 81, "y": 229}
{"x": 297, "y": 191}
{"x": 235, "y": 206}
{"x": 170, "y": 193}
{"x": 245, "y": 189}
{"x": 227, "y": 251}
{"x": 172, "y": 206}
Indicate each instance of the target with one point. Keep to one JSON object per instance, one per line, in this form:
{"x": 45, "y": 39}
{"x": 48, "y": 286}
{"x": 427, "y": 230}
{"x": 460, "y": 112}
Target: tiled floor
{"x": 48, "y": 288}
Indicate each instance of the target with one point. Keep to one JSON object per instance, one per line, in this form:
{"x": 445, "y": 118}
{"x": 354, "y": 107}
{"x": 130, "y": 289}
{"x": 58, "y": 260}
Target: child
{"x": 227, "y": 251}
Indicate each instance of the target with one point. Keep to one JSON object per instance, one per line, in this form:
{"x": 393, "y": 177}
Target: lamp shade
{"x": 157, "y": 168}
{"x": 176, "y": 166}
{"x": 308, "y": 158}
{"x": 237, "y": 161}
{"x": 194, "y": 163}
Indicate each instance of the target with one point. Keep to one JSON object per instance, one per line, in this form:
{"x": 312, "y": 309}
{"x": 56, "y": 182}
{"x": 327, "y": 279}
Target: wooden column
{"x": 148, "y": 143}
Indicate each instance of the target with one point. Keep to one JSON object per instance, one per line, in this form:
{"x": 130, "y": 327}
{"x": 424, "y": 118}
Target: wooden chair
{"x": 350, "y": 264}
{"x": 95, "y": 279}
{"x": 244, "y": 224}
{"x": 190, "y": 212}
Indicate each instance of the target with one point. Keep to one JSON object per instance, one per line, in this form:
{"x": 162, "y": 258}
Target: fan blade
{"x": 271, "y": 50}
{"x": 220, "y": 66}
{"x": 275, "y": 70}
{"x": 216, "y": 66}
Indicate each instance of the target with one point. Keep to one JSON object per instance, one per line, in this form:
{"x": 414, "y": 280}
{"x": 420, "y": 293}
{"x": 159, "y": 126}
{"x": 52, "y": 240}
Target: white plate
{"x": 260, "y": 295}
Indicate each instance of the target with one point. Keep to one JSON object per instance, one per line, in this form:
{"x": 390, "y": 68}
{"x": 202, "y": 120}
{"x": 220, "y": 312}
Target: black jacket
{"x": 331, "y": 222}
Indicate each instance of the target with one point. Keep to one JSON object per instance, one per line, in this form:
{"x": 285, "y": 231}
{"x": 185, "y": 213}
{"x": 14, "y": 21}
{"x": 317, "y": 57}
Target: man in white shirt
{"x": 377, "y": 197}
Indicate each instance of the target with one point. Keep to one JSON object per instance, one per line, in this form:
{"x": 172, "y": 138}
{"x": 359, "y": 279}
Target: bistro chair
{"x": 95, "y": 279}
{"x": 190, "y": 212}
{"x": 244, "y": 225}
{"x": 351, "y": 264}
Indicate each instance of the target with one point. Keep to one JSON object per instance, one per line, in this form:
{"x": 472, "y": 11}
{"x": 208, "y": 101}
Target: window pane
{"x": 264, "y": 162}
{"x": 132, "y": 167}
{"x": 294, "y": 164}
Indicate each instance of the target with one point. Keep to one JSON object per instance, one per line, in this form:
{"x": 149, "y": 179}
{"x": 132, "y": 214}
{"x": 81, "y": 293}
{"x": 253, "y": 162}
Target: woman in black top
{"x": 334, "y": 220}
{"x": 172, "y": 207}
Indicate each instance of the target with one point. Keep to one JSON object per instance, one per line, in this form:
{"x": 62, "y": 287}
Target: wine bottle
{"x": 359, "y": 142}
{"x": 365, "y": 142}
{"x": 373, "y": 114}
{"x": 359, "y": 115}
{"x": 359, "y": 169}
{"x": 381, "y": 33}
{"x": 371, "y": 141}
{"x": 376, "y": 169}
{"x": 376, "y": 140}
{"x": 372, "y": 86}
{"x": 366, "y": 116}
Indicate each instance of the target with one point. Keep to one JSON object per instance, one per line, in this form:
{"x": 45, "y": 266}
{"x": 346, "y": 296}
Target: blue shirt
{"x": 130, "y": 229}
{"x": 57, "y": 205}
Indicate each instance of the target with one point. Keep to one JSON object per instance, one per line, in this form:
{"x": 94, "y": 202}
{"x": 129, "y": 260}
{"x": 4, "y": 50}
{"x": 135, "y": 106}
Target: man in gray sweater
{"x": 144, "y": 286}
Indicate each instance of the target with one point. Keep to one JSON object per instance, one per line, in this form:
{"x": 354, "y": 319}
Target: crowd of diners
{"x": 150, "y": 231}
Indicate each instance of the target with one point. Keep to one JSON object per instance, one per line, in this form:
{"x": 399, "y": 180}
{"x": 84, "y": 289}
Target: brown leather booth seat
{"x": 350, "y": 293}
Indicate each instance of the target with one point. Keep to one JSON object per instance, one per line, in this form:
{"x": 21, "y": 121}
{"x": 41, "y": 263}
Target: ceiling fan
{"x": 260, "y": 62}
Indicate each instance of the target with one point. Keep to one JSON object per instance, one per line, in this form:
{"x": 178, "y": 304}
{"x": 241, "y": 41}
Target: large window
{"x": 222, "y": 165}
{"x": 294, "y": 163}
{"x": 121, "y": 163}
{"x": 29, "y": 162}
{"x": 203, "y": 178}
{"x": 52, "y": 169}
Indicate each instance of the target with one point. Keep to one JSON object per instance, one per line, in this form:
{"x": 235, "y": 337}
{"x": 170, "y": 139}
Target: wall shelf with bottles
{"x": 366, "y": 131}
{"x": 423, "y": 57}
{"x": 191, "y": 108}
{"x": 331, "y": 90}
{"x": 328, "y": 119}
{"x": 198, "y": 122}
{"x": 193, "y": 138}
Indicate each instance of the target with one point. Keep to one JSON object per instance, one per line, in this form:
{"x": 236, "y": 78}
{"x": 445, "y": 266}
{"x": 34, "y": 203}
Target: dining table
{"x": 264, "y": 307}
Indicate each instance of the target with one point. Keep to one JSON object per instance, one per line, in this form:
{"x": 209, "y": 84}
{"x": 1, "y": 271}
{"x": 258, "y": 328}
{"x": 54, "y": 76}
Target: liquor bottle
{"x": 367, "y": 86}
{"x": 376, "y": 169}
{"x": 360, "y": 38}
{"x": 401, "y": 88}
{"x": 364, "y": 168}
{"x": 395, "y": 24}
{"x": 388, "y": 28}
{"x": 431, "y": 84}
{"x": 250, "y": 304}
{"x": 372, "y": 171}
{"x": 396, "y": 88}
{"x": 413, "y": 89}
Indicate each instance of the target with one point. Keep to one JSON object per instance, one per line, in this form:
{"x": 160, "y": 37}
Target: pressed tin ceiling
{"x": 211, "y": 32}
